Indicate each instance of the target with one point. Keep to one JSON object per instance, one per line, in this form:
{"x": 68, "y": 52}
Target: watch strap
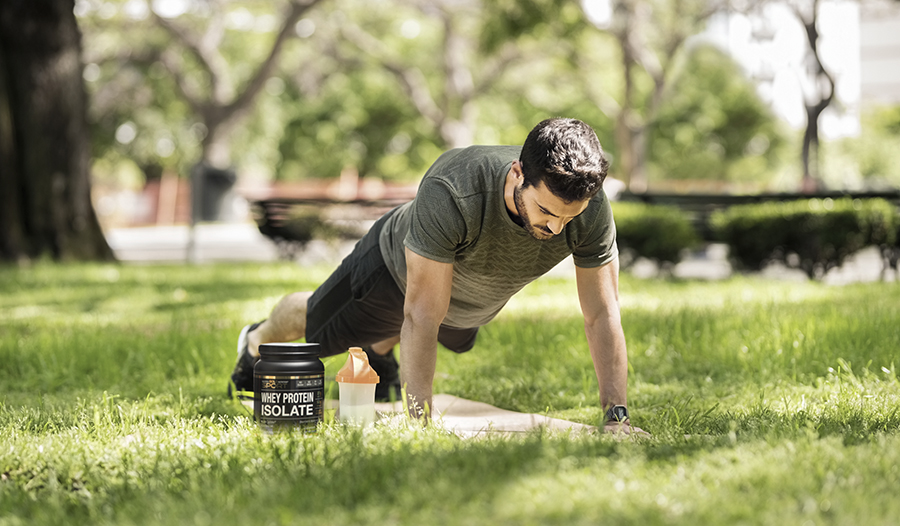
{"x": 617, "y": 413}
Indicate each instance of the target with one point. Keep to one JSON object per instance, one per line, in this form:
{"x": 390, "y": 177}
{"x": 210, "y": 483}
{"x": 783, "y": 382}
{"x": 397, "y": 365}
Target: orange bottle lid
{"x": 357, "y": 369}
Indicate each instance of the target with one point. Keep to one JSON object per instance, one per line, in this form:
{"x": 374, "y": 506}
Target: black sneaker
{"x": 388, "y": 388}
{"x": 241, "y": 384}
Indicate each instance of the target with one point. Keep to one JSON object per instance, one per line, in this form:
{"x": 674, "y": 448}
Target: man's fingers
{"x": 624, "y": 429}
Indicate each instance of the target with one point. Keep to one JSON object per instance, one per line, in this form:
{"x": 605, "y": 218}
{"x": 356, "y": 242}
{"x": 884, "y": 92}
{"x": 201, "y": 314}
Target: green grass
{"x": 769, "y": 403}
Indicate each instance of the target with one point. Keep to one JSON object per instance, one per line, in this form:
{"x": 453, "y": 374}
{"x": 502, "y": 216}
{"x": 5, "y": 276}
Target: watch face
{"x": 617, "y": 413}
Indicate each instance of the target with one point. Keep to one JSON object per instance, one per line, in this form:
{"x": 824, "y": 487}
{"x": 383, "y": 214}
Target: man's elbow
{"x": 604, "y": 319}
{"x": 422, "y": 318}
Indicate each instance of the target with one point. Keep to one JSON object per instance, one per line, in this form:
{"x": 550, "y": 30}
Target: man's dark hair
{"x": 566, "y": 155}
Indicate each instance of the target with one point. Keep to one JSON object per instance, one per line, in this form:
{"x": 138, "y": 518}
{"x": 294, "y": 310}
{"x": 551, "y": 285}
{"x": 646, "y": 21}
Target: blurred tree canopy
{"x": 172, "y": 81}
{"x": 870, "y": 161}
{"x": 731, "y": 135}
{"x": 384, "y": 86}
{"x": 649, "y": 37}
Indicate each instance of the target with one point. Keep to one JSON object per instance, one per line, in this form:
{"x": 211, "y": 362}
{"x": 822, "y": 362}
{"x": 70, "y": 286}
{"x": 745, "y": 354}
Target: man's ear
{"x": 517, "y": 170}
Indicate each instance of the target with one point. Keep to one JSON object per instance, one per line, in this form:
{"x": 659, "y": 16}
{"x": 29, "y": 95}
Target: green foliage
{"x": 331, "y": 106}
{"x": 713, "y": 125}
{"x": 887, "y": 119}
{"x": 357, "y": 121}
{"x": 129, "y": 85}
{"x": 813, "y": 235}
{"x": 656, "y": 232}
{"x": 870, "y": 160}
{"x": 505, "y": 21}
{"x": 769, "y": 403}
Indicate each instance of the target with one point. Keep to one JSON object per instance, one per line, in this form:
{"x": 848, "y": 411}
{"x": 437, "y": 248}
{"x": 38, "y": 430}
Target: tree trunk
{"x": 810, "y": 151}
{"x": 45, "y": 194}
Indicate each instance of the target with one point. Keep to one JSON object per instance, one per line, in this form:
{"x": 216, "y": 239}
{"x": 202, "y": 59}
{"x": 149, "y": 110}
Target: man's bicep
{"x": 598, "y": 289}
{"x": 428, "y": 285}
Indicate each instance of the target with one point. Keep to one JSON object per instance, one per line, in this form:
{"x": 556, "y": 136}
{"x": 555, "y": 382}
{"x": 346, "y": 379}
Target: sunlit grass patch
{"x": 769, "y": 403}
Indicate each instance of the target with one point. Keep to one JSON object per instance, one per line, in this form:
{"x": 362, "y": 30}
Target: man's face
{"x": 544, "y": 215}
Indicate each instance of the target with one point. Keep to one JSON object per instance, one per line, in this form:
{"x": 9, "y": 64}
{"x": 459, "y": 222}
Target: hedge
{"x": 814, "y": 235}
{"x": 656, "y": 232}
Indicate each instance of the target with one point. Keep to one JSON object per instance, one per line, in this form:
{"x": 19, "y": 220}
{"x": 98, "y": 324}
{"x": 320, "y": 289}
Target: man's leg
{"x": 286, "y": 323}
{"x": 383, "y": 362}
{"x": 384, "y": 347}
{"x": 358, "y": 305}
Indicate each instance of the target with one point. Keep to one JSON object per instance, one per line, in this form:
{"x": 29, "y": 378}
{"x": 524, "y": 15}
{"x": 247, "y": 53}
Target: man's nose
{"x": 556, "y": 226}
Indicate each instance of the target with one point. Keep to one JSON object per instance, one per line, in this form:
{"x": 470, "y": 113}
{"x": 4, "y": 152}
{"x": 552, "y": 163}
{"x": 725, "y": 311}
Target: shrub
{"x": 655, "y": 232}
{"x": 813, "y": 235}
{"x": 890, "y": 253}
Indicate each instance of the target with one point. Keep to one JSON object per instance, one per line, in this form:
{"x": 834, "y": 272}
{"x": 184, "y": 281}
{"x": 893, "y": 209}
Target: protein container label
{"x": 289, "y": 402}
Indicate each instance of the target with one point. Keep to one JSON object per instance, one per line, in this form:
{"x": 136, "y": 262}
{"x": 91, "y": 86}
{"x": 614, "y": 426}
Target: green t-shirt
{"x": 459, "y": 216}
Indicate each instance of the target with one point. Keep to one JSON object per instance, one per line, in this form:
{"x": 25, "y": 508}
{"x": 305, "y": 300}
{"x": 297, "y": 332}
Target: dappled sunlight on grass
{"x": 769, "y": 402}
{"x": 546, "y": 297}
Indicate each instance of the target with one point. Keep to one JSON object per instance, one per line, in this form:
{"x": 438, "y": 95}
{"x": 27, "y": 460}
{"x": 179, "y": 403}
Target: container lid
{"x": 289, "y": 350}
{"x": 357, "y": 369}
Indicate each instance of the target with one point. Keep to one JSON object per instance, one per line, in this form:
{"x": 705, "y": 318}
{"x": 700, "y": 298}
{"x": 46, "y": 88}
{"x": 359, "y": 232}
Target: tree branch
{"x": 603, "y": 100}
{"x": 296, "y": 10}
{"x": 170, "y": 61}
{"x": 411, "y": 79}
{"x": 508, "y": 56}
{"x": 212, "y": 63}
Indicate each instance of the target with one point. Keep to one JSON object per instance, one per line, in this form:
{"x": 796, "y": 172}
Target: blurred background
{"x": 197, "y": 111}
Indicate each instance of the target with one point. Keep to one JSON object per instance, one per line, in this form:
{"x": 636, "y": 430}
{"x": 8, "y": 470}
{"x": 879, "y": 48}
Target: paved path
{"x": 211, "y": 242}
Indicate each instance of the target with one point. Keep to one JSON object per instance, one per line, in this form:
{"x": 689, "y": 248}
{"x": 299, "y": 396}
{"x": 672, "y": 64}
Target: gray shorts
{"x": 360, "y": 304}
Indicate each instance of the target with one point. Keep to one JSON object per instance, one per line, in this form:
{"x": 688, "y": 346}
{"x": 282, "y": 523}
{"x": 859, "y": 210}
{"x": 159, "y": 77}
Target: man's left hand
{"x": 624, "y": 428}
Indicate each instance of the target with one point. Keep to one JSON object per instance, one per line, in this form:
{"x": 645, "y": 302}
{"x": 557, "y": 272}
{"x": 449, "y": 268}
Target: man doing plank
{"x": 485, "y": 222}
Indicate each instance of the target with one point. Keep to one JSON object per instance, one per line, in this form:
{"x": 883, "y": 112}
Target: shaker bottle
{"x": 356, "y": 381}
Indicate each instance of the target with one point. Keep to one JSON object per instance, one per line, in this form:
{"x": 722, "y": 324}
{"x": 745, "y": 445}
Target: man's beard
{"x": 538, "y": 232}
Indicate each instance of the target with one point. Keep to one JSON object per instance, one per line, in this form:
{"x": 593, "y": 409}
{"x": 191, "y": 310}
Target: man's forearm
{"x": 418, "y": 358}
{"x": 606, "y": 342}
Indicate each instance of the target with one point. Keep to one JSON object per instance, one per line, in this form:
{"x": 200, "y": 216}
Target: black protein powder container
{"x": 288, "y": 387}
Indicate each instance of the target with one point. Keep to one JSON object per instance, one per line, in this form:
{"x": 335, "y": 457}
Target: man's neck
{"x": 509, "y": 192}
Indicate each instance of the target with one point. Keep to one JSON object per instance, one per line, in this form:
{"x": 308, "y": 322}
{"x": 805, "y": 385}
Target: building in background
{"x": 880, "y": 52}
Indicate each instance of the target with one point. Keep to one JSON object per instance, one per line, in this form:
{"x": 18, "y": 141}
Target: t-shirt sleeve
{"x": 597, "y": 245}
{"x": 437, "y": 227}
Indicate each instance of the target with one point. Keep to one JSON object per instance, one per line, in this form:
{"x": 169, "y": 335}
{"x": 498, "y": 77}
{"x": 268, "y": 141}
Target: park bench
{"x": 290, "y": 221}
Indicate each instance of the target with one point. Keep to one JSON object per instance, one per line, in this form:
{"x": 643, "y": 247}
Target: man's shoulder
{"x": 501, "y": 150}
{"x": 472, "y": 156}
{"x": 473, "y": 168}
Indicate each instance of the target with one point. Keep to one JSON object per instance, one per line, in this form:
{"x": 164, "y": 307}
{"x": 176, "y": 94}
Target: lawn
{"x": 768, "y": 403}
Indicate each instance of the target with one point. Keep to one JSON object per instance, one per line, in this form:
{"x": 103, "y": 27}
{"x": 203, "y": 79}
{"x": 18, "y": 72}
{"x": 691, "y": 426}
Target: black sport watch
{"x": 617, "y": 413}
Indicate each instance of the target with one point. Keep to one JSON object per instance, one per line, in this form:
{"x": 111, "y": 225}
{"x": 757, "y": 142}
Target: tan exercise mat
{"x": 468, "y": 418}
